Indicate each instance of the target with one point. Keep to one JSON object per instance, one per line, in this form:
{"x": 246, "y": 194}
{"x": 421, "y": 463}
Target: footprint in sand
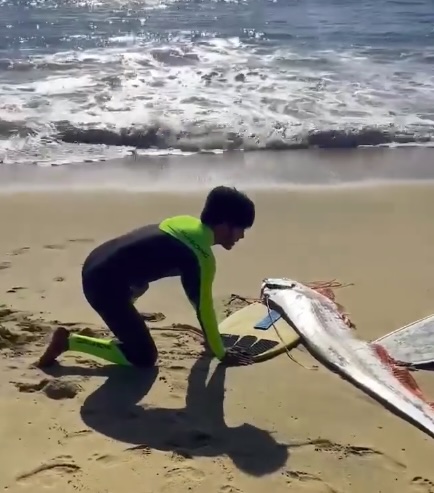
{"x": 153, "y": 316}
{"x": 347, "y": 451}
{"x": 56, "y": 468}
{"x": 227, "y": 471}
{"x": 32, "y": 326}
{"x": 307, "y": 477}
{"x": 81, "y": 240}
{"x": 140, "y": 449}
{"x": 59, "y": 389}
{"x": 179, "y": 352}
{"x": 301, "y": 476}
{"x": 107, "y": 460}
{"x": 184, "y": 473}
{"x": 29, "y": 330}
{"x": 14, "y": 340}
{"x": 176, "y": 389}
{"x": 175, "y": 367}
{"x": 54, "y": 247}
{"x": 189, "y": 439}
{"x": 181, "y": 455}
{"x": 422, "y": 484}
{"x": 229, "y": 488}
{"x": 30, "y": 387}
{"x": 53, "y": 388}
{"x": 4, "y": 265}
{"x": 168, "y": 335}
{"x": 79, "y": 433}
{"x": 89, "y": 363}
{"x": 15, "y": 289}
{"x": 20, "y": 251}
{"x": 9, "y": 315}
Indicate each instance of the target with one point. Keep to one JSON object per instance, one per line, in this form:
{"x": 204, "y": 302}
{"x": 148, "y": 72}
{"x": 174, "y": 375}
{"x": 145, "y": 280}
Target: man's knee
{"x": 151, "y": 359}
{"x": 147, "y": 360}
{"x": 143, "y": 353}
{"x": 138, "y": 291}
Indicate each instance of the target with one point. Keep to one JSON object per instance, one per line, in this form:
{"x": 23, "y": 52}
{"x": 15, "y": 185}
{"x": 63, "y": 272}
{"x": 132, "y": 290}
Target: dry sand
{"x": 282, "y": 426}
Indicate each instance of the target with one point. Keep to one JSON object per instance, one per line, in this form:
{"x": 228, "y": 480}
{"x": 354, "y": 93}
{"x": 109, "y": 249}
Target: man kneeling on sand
{"x": 119, "y": 270}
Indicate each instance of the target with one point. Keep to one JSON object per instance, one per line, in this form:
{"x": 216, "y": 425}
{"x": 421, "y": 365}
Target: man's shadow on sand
{"x": 198, "y": 430}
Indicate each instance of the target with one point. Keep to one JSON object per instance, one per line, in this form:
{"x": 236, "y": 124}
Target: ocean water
{"x": 85, "y": 80}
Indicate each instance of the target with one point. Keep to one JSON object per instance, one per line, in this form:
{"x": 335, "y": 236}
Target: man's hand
{"x": 235, "y": 356}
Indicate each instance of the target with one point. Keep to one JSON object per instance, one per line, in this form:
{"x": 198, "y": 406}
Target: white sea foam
{"x": 212, "y": 94}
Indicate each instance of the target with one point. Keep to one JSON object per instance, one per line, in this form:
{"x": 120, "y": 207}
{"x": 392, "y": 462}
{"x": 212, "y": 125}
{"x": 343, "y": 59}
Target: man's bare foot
{"x": 57, "y": 346}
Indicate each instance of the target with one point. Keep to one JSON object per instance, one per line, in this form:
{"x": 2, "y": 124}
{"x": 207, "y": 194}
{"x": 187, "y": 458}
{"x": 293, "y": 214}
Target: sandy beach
{"x": 277, "y": 426}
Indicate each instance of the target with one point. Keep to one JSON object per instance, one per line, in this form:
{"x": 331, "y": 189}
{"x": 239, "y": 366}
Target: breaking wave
{"x": 220, "y": 140}
{"x": 90, "y": 80}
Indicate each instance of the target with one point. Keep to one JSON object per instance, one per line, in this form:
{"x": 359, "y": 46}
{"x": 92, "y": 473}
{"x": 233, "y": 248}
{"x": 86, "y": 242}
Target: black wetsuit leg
{"x": 116, "y": 309}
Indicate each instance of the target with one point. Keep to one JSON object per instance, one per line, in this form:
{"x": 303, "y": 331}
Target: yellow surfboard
{"x": 260, "y": 331}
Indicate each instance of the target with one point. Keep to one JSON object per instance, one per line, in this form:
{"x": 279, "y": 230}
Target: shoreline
{"x": 284, "y": 170}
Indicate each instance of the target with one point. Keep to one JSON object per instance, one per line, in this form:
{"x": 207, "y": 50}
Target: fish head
{"x": 282, "y": 283}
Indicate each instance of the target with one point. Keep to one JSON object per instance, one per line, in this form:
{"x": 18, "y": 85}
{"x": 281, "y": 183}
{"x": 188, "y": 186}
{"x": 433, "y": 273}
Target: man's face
{"x": 228, "y": 236}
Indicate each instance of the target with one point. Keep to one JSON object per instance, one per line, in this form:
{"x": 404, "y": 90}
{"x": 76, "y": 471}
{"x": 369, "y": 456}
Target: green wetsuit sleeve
{"x": 197, "y": 280}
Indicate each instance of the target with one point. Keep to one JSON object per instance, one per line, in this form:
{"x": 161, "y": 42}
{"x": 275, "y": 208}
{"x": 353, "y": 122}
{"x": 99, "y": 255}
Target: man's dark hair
{"x": 228, "y": 205}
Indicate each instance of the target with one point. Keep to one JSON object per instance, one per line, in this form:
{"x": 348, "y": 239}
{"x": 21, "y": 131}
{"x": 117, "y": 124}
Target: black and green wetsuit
{"x": 178, "y": 246}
